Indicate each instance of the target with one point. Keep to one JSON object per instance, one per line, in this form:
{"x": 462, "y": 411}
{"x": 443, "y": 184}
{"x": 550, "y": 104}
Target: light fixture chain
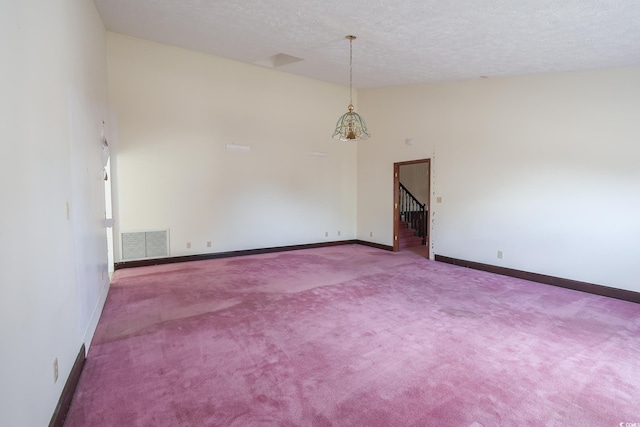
{"x": 351, "y": 71}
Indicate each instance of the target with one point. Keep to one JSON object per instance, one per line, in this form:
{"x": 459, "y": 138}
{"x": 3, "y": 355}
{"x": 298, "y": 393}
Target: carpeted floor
{"x": 355, "y": 336}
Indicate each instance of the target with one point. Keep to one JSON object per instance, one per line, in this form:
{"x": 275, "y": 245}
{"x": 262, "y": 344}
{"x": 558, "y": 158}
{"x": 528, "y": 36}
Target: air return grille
{"x": 145, "y": 244}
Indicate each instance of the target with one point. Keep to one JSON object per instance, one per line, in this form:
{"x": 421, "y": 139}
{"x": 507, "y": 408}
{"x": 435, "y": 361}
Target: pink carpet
{"x": 355, "y": 336}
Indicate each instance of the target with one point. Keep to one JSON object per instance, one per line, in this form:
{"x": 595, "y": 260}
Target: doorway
{"x": 411, "y": 206}
{"x": 108, "y": 207}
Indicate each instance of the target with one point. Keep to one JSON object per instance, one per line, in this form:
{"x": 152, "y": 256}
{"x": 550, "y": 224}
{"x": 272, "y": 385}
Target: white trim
{"x": 234, "y": 147}
{"x": 95, "y": 318}
{"x": 317, "y": 153}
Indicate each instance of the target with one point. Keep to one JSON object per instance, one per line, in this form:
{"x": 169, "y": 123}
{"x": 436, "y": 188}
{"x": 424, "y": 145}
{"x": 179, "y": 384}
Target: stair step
{"x": 408, "y": 242}
{"x": 406, "y": 232}
{"x": 404, "y": 224}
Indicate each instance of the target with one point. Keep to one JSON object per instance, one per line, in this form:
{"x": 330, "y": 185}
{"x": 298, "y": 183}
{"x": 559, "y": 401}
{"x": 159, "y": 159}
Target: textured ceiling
{"x": 399, "y": 42}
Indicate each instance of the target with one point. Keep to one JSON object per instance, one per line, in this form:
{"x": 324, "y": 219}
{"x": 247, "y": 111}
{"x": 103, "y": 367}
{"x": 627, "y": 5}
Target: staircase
{"x": 407, "y": 236}
{"x": 413, "y": 220}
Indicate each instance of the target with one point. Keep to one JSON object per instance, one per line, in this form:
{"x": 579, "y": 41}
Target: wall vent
{"x": 145, "y": 244}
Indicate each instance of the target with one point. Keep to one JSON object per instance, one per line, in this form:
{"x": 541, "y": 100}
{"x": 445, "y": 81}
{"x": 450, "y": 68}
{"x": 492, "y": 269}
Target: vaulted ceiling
{"x": 399, "y": 42}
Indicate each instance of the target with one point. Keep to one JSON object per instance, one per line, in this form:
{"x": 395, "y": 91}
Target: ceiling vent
{"x": 279, "y": 60}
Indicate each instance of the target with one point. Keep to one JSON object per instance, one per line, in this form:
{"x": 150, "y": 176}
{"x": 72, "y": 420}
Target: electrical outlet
{"x": 500, "y": 254}
{"x": 338, "y": 232}
{"x": 209, "y": 244}
{"x": 371, "y": 234}
{"x": 55, "y": 370}
{"x": 188, "y": 245}
{"x": 326, "y": 234}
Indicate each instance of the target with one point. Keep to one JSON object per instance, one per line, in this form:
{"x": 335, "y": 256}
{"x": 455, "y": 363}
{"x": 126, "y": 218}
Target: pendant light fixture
{"x": 351, "y": 126}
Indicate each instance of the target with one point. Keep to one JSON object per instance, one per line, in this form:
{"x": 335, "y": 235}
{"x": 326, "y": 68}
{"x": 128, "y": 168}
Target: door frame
{"x": 396, "y": 202}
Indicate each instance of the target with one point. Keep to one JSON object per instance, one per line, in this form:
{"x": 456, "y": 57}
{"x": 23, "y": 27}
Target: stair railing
{"x": 414, "y": 212}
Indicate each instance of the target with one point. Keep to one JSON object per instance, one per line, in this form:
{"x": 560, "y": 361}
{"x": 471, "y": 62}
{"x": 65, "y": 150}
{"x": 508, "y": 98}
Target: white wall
{"x": 53, "y": 273}
{"x": 543, "y": 168}
{"x": 176, "y": 110}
